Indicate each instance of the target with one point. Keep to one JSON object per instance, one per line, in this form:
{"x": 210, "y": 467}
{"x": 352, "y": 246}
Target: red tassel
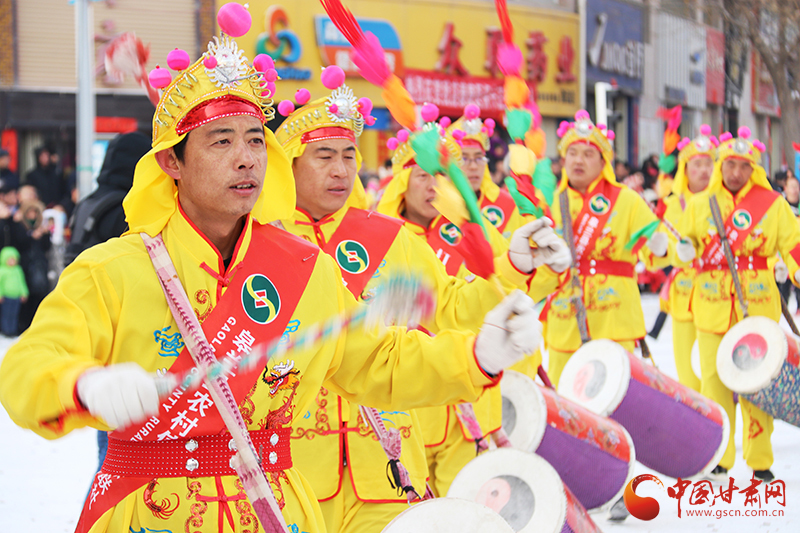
{"x": 475, "y": 250}
{"x": 505, "y": 20}
{"x": 345, "y": 21}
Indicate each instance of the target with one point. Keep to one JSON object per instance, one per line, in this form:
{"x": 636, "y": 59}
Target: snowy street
{"x": 43, "y": 483}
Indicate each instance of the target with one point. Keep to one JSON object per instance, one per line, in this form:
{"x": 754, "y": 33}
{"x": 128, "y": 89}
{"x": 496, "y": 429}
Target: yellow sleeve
{"x": 70, "y": 334}
{"x": 788, "y": 237}
{"x": 687, "y": 227}
{"x": 640, "y": 217}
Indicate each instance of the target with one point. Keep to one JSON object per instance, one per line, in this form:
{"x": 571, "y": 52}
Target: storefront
{"x": 715, "y": 80}
{"x": 443, "y": 50}
{"x": 615, "y": 55}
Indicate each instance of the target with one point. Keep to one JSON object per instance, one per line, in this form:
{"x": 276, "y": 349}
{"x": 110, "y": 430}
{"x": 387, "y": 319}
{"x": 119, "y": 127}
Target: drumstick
{"x": 544, "y": 377}
{"x": 646, "y": 353}
{"x": 788, "y": 316}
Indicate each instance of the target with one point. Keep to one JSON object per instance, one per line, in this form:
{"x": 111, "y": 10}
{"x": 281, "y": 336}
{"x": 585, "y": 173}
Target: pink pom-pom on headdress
{"x": 178, "y": 59}
{"x": 490, "y": 123}
{"x": 392, "y": 144}
{"x": 610, "y": 135}
{"x": 263, "y": 62}
{"x": 445, "y": 122}
{"x": 759, "y": 145}
{"x": 725, "y": 137}
{"x": 402, "y": 136}
{"x": 563, "y": 128}
{"x": 429, "y": 112}
{"x": 744, "y": 132}
{"x": 705, "y": 129}
{"x": 333, "y": 108}
{"x": 332, "y": 77}
{"x": 582, "y": 115}
{"x": 370, "y": 120}
{"x": 471, "y": 111}
{"x": 458, "y": 135}
{"x": 234, "y": 19}
{"x": 159, "y": 77}
{"x": 286, "y": 107}
{"x": 714, "y": 141}
{"x": 210, "y": 62}
{"x": 302, "y": 96}
{"x": 601, "y": 127}
{"x": 509, "y": 59}
{"x": 269, "y": 89}
{"x": 683, "y": 142}
{"x": 271, "y": 74}
{"x": 364, "y": 106}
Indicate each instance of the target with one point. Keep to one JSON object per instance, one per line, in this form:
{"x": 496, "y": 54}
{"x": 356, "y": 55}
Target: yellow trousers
{"x": 445, "y": 460}
{"x": 757, "y": 425}
{"x": 558, "y": 360}
{"x": 345, "y": 513}
{"x": 683, "y": 336}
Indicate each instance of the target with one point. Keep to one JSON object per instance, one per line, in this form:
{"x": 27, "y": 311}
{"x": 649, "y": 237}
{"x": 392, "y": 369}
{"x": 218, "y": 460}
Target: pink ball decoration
{"x": 269, "y": 89}
{"x": 210, "y": 62}
{"x": 333, "y": 108}
{"x": 471, "y": 111}
{"x": 392, "y": 144}
{"x": 705, "y": 129}
{"x": 402, "y": 136}
{"x": 332, "y": 77}
{"x": 429, "y": 112}
{"x": 286, "y": 108}
{"x": 582, "y": 115}
{"x": 744, "y": 132}
{"x": 302, "y": 96}
{"x": 563, "y": 124}
{"x": 370, "y": 120}
{"x": 458, "y": 135}
{"x": 178, "y": 59}
{"x": 714, "y": 141}
{"x": 611, "y": 135}
{"x": 725, "y": 136}
{"x": 271, "y": 74}
{"x": 364, "y": 106}
{"x": 445, "y": 122}
{"x": 263, "y": 62}
{"x": 683, "y": 143}
{"x": 234, "y": 19}
{"x": 759, "y": 146}
{"x": 490, "y": 123}
{"x": 601, "y": 127}
{"x": 159, "y": 77}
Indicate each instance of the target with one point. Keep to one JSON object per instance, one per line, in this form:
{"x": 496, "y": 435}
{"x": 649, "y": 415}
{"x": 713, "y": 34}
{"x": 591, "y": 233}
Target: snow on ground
{"x": 43, "y": 483}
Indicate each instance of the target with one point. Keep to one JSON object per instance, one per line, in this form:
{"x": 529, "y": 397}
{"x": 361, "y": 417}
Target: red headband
{"x": 472, "y": 142}
{"x": 224, "y": 106}
{"x": 584, "y": 141}
{"x": 332, "y": 132}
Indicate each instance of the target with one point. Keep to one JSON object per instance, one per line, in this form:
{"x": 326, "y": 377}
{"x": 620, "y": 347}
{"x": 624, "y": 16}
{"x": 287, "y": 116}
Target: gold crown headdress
{"x": 403, "y": 156}
{"x": 703, "y": 144}
{"x": 472, "y": 129}
{"x": 583, "y": 130}
{"x": 741, "y": 147}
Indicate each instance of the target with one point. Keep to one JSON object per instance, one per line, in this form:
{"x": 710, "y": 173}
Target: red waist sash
{"x": 593, "y": 267}
{"x": 743, "y": 262}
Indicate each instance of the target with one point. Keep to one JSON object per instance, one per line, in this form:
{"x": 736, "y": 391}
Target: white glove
{"x": 519, "y": 247}
{"x": 551, "y": 250}
{"x": 658, "y": 244}
{"x": 781, "y": 272}
{"x": 505, "y": 338}
{"x": 121, "y": 394}
{"x": 685, "y": 251}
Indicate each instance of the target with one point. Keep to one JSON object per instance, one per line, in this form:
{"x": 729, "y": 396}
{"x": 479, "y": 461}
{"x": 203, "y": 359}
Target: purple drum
{"x": 759, "y": 360}
{"x": 677, "y": 431}
{"x": 525, "y": 490}
{"x": 593, "y": 455}
{"x": 448, "y": 515}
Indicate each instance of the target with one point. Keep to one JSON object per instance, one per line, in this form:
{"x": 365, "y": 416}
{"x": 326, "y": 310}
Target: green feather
{"x": 524, "y": 205}
{"x": 545, "y": 181}
{"x": 646, "y": 232}
{"x": 426, "y": 149}
{"x": 462, "y": 184}
{"x": 666, "y": 163}
{"x": 519, "y": 122}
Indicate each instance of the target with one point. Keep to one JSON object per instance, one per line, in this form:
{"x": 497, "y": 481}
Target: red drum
{"x": 593, "y": 455}
{"x": 759, "y": 360}
{"x": 676, "y": 431}
{"x": 447, "y": 515}
{"x": 525, "y": 490}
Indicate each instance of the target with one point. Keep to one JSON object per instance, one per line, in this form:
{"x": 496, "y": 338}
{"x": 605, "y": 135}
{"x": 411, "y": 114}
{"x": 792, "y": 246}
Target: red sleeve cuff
{"x": 518, "y": 270}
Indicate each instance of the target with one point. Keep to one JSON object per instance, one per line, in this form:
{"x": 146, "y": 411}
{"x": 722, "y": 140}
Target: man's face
{"x": 44, "y": 158}
{"x": 223, "y": 168}
{"x": 474, "y": 164}
{"x": 324, "y": 176}
{"x": 583, "y": 164}
{"x": 5, "y": 161}
{"x": 792, "y": 190}
{"x": 736, "y": 173}
{"x": 420, "y": 196}
{"x": 698, "y": 172}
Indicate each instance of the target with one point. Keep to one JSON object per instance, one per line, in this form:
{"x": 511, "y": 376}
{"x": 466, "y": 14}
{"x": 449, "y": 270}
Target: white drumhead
{"x": 696, "y": 360}
{"x": 447, "y": 515}
{"x": 521, "y": 487}
{"x": 597, "y": 376}
{"x": 524, "y": 411}
{"x": 751, "y": 354}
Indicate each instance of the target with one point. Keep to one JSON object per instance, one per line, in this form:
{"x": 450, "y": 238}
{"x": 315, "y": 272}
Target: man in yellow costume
{"x": 610, "y": 224}
{"x": 695, "y": 164}
{"x": 334, "y": 447}
{"x": 203, "y": 198}
{"x": 759, "y": 225}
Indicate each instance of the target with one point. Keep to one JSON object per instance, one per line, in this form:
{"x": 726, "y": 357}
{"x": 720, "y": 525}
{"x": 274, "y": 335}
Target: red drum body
{"x": 759, "y": 360}
{"x": 525, "y": 490}
{"x": 676, "y": 431}
{"x": 593, "y": 455}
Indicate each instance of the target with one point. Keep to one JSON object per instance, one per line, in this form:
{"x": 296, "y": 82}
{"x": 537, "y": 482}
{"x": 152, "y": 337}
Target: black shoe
{"x": 618, "y": 511}
{"x": 719, "y": 474}
{"x": 764, "y": 475}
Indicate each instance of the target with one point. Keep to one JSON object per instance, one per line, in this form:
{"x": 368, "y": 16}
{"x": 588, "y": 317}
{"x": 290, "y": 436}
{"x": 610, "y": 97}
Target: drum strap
{"x": 577, "y": 298}
{"x": 726, "y": 248}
